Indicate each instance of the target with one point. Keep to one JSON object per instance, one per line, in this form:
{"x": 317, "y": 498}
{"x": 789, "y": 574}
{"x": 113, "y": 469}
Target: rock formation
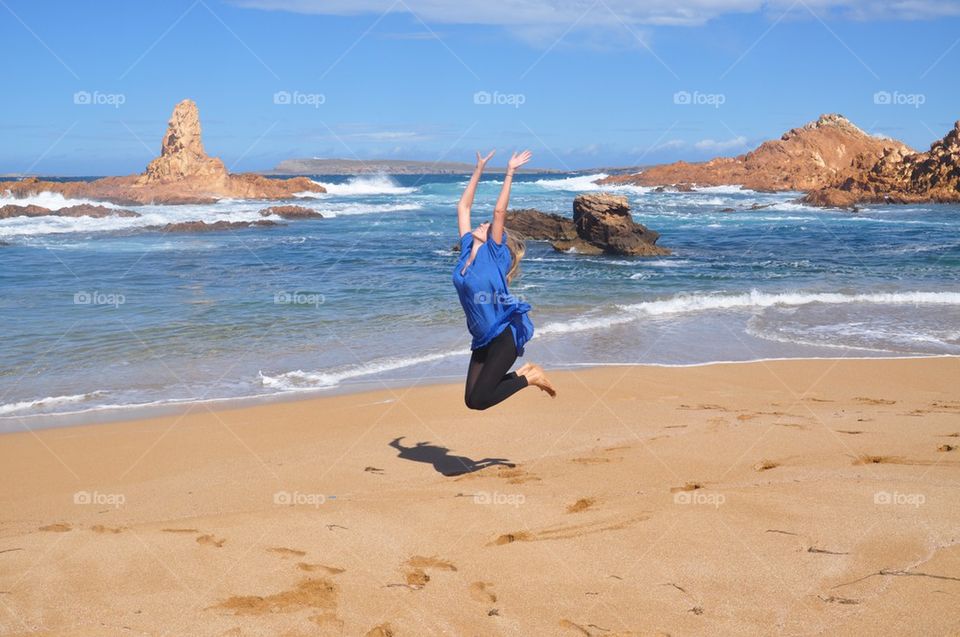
{"x": 537, "y": 225}
{"x": 898, "y": 177}
{"x": 291, "y": 212}
{"x": 804, "y": 158}
{"x": 182, "y": 157}
{"x": 183, "y": 173}
{"x": 604, "y": 226}
{"x": 601, "y": 224}
{"x": 82, "y": 210}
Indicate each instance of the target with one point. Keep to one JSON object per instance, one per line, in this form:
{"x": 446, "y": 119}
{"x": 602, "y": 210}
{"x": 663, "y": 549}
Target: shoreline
{"x": 646, "y": 500}
{"x": 144, "y": 411}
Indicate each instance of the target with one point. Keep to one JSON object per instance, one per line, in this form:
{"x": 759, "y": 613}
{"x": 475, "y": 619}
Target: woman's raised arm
{"x": 466, "y": 199}
{"x": 503, "y": 201}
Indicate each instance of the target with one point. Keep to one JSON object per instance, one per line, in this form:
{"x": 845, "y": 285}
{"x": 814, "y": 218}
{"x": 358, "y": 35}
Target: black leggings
{"x": 488, "y": 382}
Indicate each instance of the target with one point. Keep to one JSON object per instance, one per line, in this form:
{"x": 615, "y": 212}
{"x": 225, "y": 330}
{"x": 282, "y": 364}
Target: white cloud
{"x": 559, "y": 15}
{"x": 715, "y": 146}
{"x": 671, "y": 144}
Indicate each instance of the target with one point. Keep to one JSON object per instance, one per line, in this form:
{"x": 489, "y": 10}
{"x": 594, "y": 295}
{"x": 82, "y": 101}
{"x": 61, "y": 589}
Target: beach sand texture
{"x": 805, "y": 497}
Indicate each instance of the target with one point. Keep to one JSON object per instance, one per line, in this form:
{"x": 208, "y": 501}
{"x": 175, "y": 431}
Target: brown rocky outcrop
{"x": 601, "y": 224}
{"x": 604, "y": 226}
{"x": 898, "y": 177}
{"x": 804, "y": 158}
{"x": 542, "y": 226}
{"x": 82, "y": 210}
{"x": 291, "y": 212}
{"x": 182, "y": 156}
{"x": 183, "y": 173}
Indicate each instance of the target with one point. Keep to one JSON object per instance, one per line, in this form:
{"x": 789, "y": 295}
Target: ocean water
{"x": 100, "y": 316}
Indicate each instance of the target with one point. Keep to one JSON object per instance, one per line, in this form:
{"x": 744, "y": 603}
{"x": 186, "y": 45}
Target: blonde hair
{"x": 517, "y": 247}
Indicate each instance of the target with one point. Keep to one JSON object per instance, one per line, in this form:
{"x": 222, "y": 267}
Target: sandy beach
{"x": 806, "y": 497}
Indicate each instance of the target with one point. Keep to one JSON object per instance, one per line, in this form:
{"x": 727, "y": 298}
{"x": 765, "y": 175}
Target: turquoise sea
{"x": 100, "y": 316}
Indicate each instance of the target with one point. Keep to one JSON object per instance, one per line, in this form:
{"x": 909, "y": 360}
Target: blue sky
{"x": 581, "y": 82}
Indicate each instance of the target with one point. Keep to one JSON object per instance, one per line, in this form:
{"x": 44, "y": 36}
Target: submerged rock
{"x": 82, "y": 210}
{"x": 291, "y": 212}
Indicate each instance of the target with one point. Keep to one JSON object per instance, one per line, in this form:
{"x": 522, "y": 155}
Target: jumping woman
{"x": 498, "y": 321}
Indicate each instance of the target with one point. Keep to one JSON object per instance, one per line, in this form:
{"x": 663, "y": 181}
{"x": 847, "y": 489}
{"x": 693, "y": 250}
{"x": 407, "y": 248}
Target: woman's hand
{"x": 518, "y": 159}
{"x": 482, "y": 161}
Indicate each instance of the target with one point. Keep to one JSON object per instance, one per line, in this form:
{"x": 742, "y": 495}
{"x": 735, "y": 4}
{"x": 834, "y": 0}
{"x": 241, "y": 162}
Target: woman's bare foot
{"x": 538, "y": 378}
{"x": 523, "y": 369}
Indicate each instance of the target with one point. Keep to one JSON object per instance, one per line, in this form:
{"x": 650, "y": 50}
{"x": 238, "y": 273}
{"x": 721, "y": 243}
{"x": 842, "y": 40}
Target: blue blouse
{"x": 488, "y": 305}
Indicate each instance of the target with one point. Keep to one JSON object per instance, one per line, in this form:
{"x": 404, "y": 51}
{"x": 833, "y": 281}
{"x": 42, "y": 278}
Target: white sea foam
{"x": 365, "y": 209}
{"x": 684, "y": 303}
{"x": 300, "y": 380}
{"x": 572, "y": 184}
{"x": 690, "y": 303}
{"x": 362, "y": 185}
{"x": 49, "y": 200}
{"x": 725, "y": 190}
{"x": 159, "y": 215}
{"x": 44, "y": 404}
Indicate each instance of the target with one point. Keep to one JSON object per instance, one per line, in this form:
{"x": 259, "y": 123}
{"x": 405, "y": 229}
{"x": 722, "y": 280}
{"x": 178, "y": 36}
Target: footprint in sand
{"x": 180, "y": 530}
{"x": 99, "y": 528}
{"x": 606, "y": 632}
{"x": 481, "y": 592}
{"x": 415, "y": 574}
{"x": 946, "y": 448}
{"x": 383, "y": 630}
{"x": 209, "y": 540}
{"x": 874, "y": 401}
{"x": 871, "y": 459}
{"x": 332, "y": 570}
{"x": 703, "y": 406}
{"x": 513, "y": 475}
{"x": 581, "y": 505}
{"x": 59, "y": 527}
{"x": 568, "y": 531}
{"x": 285, "y": 552}
{"x": 689, "y": 486}
{"x": 320, "y": 594}
{"x": 595, "y": 460}
{"x": 765, "y": 465}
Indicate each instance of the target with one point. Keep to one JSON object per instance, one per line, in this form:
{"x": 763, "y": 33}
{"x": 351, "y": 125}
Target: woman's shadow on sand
{"x": 444, "y": 463}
